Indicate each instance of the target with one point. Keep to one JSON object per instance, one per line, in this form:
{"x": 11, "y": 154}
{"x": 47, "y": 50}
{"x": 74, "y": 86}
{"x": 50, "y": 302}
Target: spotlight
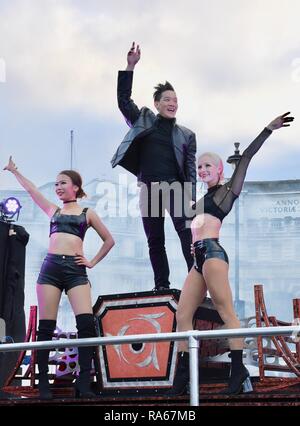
{"x": 9, "y": 207}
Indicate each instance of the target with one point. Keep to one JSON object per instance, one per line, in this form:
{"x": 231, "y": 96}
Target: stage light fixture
{"x": 9, "y": 208}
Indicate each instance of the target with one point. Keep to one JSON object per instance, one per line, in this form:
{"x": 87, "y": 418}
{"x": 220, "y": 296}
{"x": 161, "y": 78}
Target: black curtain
{"x": 13, "y": 241}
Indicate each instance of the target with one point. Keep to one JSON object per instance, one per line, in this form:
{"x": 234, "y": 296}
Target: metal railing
{"x": 192, "y": 336}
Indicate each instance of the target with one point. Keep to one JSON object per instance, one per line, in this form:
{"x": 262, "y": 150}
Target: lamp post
{"x": 239, "y": 305}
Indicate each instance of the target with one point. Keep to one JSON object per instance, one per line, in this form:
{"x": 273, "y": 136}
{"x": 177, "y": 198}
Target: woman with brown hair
{"x": 64, "y": 268}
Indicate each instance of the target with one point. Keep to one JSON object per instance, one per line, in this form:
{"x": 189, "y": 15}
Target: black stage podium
{"x": 147, "y": 368}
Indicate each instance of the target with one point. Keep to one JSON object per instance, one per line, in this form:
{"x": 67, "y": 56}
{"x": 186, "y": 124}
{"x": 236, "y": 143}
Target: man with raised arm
{"x": 162, "y": 156}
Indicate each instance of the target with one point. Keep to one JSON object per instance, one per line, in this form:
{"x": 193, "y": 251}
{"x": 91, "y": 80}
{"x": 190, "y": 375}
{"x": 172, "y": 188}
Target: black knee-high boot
{"x": 86, "y": 328}
{"x": 239, "y": 381}
{"x": 45, "y": 332}
{"x": 182, "y": 376}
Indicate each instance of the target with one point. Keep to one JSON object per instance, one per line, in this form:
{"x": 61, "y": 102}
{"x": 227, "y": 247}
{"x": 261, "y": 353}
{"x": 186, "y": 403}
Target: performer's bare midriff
{"x": 205, "y": 226}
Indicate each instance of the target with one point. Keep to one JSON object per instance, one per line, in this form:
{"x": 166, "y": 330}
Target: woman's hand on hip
{"x": 81, "y": 260}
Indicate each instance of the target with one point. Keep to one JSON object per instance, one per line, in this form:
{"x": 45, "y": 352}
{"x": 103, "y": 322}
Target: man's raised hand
{"x": 133, "y": 56}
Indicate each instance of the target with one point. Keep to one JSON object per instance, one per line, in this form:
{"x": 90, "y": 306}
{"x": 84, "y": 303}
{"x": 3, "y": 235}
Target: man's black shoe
{"x": 161, "y": 287}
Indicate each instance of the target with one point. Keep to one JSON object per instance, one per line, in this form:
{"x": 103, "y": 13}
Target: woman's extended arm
{"x": 237, "y": 180}
{"x": 46, "y": 205}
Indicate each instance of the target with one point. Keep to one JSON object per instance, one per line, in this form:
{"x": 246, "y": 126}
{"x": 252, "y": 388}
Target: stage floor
{"x": 272, "y": 392}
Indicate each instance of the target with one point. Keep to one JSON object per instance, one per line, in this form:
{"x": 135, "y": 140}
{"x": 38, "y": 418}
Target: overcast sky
{"x": 235, "y": 65}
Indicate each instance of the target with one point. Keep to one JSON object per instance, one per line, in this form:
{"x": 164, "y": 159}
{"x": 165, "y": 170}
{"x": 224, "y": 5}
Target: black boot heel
{"x": 239, "y": 383}
{"x": 44, "y": 388}
{"x": 86, "y": 328}
{"x": 182, "y": 376}
{"x": 84, "y": 394}
{"x": 247, "y": 385}
{"x": 82, "y": 386}
{"x": 178, "y": 390}
{"x": 45, "y": 333}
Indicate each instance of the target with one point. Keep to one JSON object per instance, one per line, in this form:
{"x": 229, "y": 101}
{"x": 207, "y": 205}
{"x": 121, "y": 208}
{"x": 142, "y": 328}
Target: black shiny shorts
{"x": 62, "y": 272}
{"x": 209, "y": 248}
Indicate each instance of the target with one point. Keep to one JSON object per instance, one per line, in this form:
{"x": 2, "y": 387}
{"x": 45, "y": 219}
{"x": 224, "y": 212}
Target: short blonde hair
{"x": 217, "y": 161}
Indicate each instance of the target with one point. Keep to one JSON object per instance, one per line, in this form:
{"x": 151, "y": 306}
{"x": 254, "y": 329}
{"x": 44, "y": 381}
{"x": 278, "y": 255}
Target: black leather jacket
{"x": 141, "y": 121}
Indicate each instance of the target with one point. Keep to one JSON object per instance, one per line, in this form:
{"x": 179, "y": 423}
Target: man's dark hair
{"x": 160, "y": 88}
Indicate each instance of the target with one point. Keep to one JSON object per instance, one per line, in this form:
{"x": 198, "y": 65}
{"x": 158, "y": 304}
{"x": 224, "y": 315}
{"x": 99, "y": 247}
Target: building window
{"x": 277, "y": 224}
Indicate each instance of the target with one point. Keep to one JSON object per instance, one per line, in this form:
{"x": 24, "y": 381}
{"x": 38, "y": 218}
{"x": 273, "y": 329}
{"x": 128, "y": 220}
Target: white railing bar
{"x": 193, "y": 337}
{"x": 158, "y": 337}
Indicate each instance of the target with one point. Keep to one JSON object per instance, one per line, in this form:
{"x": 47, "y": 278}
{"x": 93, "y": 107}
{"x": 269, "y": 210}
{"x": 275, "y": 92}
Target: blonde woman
{"x": 210, "y": 272}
